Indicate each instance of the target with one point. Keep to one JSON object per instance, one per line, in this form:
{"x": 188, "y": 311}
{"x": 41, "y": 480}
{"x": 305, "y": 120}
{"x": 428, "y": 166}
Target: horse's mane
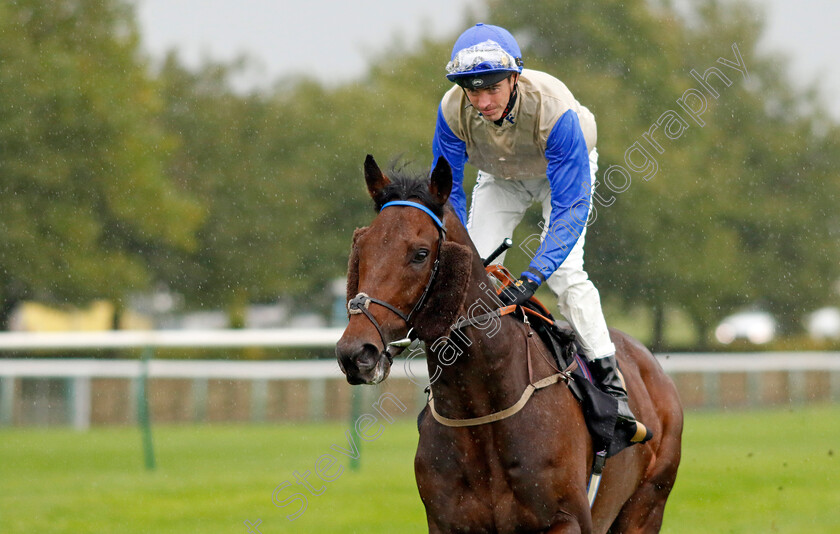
{"x": 405, "y": 186}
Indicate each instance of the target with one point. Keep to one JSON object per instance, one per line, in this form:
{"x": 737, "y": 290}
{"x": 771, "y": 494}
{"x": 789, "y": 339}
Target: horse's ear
{"x": 353, "y": 265}
{"x": 447, "y": 294}
{"x": 440, "y": 184}
{"x": 375, "y": 179}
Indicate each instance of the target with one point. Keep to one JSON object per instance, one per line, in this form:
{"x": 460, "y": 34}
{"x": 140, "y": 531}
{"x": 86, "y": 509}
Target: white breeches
{"x": 496, "y": 209}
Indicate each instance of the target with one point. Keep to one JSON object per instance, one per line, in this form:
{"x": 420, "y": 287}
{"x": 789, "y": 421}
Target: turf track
{"x": 744, "y": 472}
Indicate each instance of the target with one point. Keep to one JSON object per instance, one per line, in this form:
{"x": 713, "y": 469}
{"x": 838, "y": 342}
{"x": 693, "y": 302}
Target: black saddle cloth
{"x": 600, "y": 410}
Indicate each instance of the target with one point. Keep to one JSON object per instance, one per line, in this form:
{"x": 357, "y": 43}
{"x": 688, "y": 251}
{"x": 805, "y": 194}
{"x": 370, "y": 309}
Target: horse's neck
{"x": 480, "y": 368}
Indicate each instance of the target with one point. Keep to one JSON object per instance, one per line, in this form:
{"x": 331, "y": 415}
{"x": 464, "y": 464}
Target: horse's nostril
{"x": 358, "y": 361}
{"x": 357, "y": 356}
{"x": 367, "y": 357}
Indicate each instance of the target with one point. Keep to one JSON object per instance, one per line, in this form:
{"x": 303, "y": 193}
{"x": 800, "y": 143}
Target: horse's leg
{"x": 568, "y": 527}
{"x": 642, "y": 514}
{"x": 566, "y": 523}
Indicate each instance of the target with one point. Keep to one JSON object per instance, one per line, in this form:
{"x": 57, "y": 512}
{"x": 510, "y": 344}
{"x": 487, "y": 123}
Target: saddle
{"x": 600, "y": 410}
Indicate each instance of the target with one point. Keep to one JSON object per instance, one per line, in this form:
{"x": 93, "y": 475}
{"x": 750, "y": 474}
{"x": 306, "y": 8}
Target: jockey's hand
{"x": 518, "y": 292}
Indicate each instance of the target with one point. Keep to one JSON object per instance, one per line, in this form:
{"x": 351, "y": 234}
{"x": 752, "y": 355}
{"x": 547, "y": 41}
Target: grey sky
{"x": 333, "y": 40}
{"x": 327, "y": 39}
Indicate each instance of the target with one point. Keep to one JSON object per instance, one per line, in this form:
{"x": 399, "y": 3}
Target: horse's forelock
{"x": 406, "y": 188}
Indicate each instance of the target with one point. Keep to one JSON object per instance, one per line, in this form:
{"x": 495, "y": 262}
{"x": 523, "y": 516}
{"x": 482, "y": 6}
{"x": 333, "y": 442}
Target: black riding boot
{"x": 608, "y": 378}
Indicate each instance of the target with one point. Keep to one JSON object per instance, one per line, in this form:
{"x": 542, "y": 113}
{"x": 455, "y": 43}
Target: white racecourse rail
{"x": 81, "y": 370}
{"x": 301, "y": 338}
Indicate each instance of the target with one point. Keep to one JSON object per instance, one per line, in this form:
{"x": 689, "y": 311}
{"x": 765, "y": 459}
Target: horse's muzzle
{"x": 362, "y": 363}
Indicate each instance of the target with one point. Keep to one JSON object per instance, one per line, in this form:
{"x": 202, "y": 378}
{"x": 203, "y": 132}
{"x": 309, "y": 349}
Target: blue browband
{"x": 419, "y": 206}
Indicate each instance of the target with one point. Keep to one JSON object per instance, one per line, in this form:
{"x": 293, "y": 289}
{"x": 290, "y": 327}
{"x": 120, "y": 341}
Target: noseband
{"x": 361, "y": 302}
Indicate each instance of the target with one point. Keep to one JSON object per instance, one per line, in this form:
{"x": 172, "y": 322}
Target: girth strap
{"x": 565, "y": 375}
{"x": 504, "y": 414}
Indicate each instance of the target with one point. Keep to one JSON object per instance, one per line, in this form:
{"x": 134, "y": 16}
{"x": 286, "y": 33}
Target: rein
{"x": 565, "y": 375}
{"x": 360, "y": 304}
{"x": 362, "y": 301}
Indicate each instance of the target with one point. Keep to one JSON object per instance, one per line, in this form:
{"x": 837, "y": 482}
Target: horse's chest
{"x": 489, "y": 484}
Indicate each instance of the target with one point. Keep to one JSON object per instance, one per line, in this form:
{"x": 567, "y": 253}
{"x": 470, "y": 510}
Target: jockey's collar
{"x": 509, "y": 106}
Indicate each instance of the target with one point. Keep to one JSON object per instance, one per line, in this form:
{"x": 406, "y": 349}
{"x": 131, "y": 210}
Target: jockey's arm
{"x": 569, "y": 177}
{"x": 448, "y": 145}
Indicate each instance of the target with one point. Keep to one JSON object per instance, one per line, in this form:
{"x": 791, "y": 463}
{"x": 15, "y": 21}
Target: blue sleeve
{"x": 569, "y": 178}
{"x": 448, "y": 145}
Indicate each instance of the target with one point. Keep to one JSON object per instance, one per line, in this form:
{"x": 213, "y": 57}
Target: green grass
{"x": 749, "y": 472}
{"x": 759, "y": 472}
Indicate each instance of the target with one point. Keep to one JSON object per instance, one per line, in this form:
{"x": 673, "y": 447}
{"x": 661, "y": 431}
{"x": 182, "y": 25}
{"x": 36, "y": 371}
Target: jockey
{"x": 531, "y": 142}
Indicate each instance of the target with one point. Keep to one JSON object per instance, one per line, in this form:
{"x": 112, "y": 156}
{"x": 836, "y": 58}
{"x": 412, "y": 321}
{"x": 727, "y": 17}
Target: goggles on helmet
{"x": 485, "y": 61}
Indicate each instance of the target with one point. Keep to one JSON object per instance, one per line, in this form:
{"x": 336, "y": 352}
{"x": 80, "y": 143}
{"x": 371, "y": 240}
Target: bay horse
{"x": 414, "y": 273}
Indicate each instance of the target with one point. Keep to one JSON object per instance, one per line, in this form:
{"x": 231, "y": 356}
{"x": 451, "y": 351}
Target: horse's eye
{"x": 420, "y": 256}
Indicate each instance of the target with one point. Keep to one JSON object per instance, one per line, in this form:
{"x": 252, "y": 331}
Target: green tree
{"x": 321, "y": 137}
{"x": 82, "y": 192}
{"x": 728, "y": 218}
{"x": 234, "y": 153}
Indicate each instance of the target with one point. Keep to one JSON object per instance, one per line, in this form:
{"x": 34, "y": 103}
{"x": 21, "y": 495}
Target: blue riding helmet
{"x": 482, "y": 56}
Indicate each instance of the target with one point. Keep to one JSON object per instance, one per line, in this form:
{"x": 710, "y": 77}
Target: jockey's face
{"x": 491, "y": 101}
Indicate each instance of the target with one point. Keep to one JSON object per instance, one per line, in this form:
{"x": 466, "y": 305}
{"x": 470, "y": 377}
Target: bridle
{"x": 362, "y": 301}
